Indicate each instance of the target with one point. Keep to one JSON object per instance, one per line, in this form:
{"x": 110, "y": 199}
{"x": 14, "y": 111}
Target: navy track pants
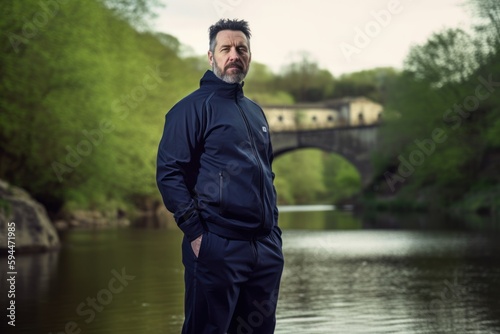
{"x": 232, "y": 286}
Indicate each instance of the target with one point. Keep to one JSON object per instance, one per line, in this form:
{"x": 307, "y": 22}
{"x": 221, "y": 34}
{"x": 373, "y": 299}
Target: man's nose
{"x": 233, "y": 54}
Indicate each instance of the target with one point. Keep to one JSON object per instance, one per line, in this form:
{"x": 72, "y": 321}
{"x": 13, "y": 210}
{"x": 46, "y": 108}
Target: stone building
{"x": 332, "y": 113}
{"x": 357, "y": 111}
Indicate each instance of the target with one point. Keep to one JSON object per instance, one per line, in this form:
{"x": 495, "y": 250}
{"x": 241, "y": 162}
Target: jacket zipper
{"x": 259, "y": 163}
{"x": 221, "y": 186}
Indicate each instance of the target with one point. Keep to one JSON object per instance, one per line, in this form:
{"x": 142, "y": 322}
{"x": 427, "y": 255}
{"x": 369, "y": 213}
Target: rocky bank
{"x": 33, "y": 229}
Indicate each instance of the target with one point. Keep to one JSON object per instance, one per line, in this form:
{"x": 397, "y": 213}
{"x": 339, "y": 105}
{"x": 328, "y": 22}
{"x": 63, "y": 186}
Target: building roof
{"x": 327, "y": 104}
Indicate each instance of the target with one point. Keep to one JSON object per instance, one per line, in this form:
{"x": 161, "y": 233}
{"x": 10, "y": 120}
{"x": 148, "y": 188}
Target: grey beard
{"x": 229, "y": 78}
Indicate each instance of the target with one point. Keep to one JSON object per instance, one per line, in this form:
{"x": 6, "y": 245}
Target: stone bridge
{"x": 354, "y": 143}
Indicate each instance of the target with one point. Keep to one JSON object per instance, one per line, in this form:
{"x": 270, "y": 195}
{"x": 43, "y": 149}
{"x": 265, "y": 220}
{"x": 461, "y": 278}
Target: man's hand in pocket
{"x": 196, "y": 244}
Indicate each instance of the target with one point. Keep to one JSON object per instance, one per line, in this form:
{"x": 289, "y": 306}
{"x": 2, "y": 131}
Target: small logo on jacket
{"x": 264, "y": 129}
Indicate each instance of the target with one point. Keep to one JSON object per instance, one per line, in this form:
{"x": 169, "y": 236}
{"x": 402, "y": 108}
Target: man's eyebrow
{"x": 240, "y": 44}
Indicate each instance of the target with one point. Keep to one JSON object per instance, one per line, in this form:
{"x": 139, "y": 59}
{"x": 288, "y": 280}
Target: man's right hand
{"x": 196, "y": 244}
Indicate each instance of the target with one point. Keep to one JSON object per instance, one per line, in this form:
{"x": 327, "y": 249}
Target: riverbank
{"x": 157, "y": 217}
{"x": 478, "y": 205}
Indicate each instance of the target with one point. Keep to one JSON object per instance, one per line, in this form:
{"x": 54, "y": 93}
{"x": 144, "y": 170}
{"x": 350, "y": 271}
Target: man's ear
{"x": 210, "y": 58}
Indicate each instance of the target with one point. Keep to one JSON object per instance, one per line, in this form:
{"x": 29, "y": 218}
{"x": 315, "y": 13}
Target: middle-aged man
{"x": 214, "y": 173}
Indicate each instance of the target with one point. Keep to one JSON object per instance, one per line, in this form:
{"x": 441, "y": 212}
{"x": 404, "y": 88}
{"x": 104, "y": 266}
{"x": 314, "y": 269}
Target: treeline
{"x": 82, "y": 100}
{"x": 85, "y": 86}
{"x": 441, "y": 139}
{"x": 303, "y": 80}
{"x": 84, "y": 90}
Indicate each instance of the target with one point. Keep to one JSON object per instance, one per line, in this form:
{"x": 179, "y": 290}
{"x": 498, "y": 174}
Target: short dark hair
{"x": 227, "y": 24}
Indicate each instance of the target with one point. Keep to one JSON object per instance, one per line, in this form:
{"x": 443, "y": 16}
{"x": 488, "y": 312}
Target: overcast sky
{"x": 343, "y": 36}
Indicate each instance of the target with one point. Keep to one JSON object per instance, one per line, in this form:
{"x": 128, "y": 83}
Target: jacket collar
{"x": 221, "y": 88}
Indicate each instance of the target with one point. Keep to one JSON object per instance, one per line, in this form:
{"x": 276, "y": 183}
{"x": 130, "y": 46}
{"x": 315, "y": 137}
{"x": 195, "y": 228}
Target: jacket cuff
{"x": 192, "y": 227}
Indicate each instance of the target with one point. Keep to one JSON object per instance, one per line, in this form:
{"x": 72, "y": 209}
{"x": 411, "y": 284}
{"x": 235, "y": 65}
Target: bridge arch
{"x": 356, "y": 163}
{"x": 355, "y": 144}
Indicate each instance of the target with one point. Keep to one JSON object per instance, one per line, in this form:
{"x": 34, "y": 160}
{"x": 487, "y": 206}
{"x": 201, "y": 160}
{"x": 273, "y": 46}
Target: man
{"x": 214, "y": 173}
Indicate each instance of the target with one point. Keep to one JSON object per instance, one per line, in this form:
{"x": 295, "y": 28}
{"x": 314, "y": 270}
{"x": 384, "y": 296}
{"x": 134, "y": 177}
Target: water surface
{"x": 343, "y": 274}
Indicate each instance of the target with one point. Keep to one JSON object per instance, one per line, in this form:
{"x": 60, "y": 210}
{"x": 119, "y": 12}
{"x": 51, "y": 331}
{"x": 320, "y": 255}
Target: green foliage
{"x": 448, "y": 57}
{"x": 82, "y": 102}
{"x": 341, "y": 178}
{"x": 305, "y": 80}
{"x": 441, "y": 117}
{"x": 84, "y": 95}
{"x": 272, "y": 98}
{"x": 85, "y": 90}
{"x": 491, "y": 110}
{"x": 135, "y": 12}
{"x": 373, "y": 84}
{"x": 301, "y": 174}
{"x": 260, "y": 86}
{"x": 312, "y": 176}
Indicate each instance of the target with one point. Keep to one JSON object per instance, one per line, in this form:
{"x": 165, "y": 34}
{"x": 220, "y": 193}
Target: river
{"x": 343, "y": 274}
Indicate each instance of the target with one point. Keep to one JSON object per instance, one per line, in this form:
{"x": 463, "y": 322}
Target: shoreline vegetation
{"x": 84, "y": 96}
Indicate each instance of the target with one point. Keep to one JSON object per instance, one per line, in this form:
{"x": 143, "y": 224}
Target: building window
{"x": 361, "y": 118}
{"x": 314, "y": 118}
{"x": 330, "y": 118}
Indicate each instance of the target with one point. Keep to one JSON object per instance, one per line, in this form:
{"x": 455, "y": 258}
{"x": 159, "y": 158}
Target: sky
{"x": 342, "y": 36}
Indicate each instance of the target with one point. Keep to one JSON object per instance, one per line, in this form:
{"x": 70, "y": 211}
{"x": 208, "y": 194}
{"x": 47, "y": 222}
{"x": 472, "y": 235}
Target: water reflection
{"x": 389, "y": 282}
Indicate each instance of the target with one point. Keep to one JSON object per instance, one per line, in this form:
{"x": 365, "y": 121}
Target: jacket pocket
{"x": 221, "y": 193}
{"x": 203, "y": 246}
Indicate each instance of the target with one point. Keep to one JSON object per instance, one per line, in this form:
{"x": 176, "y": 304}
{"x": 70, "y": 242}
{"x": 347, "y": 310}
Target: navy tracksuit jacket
{"x": 214, "y": 174}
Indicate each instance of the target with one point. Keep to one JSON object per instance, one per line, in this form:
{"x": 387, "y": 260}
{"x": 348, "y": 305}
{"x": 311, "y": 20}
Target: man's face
{"x": 230, "y": 60}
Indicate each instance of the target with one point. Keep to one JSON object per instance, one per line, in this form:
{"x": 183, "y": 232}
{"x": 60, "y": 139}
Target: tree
{"x": 373, "y": 84}
{"x": 261, "y": 86}
{"x": 83, "y": 102}
{"x": 448, "y": 57}
{"x": 136, "y": 12}
{"x": 305, "y": 80}
{"x": 441, "y": 119}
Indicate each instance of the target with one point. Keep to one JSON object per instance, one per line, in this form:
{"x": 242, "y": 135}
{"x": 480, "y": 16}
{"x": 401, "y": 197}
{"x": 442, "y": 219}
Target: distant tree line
{"x": 304, "y": 81}
{"x": 441, "y": 139}
{"x": 86, "y": 85}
